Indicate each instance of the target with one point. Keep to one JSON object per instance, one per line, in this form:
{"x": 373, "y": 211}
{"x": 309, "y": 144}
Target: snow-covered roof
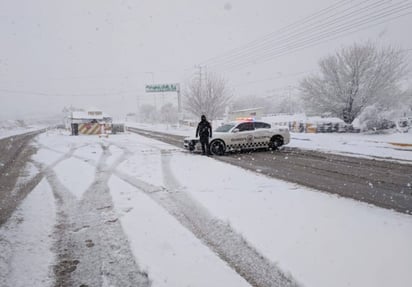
{"x": 87, "y": 116}
{"x": 94, "y": 109}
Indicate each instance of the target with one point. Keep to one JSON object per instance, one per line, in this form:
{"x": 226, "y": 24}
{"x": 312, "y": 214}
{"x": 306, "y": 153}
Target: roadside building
{"x": 91, "y": 122}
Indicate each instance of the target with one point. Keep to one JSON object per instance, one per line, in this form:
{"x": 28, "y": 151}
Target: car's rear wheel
{"x": 275, "y": 142}
{"x": 217, "y": 147}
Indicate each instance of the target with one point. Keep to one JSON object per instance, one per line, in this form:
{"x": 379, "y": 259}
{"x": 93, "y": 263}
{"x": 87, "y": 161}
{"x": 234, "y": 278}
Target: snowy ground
{"x": 4, "y": 133}
{"x": 395, "y": 146}
{"x": 166, "y": 200}
{"x": 384, "y": 146}
{"x": 12, "y": 128}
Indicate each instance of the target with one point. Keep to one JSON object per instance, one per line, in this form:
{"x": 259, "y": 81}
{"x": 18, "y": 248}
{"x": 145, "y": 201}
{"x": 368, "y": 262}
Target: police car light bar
{"x": 246, "y": 119}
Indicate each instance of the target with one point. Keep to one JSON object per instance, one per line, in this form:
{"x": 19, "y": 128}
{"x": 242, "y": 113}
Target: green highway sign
{"x": 159, "y": 88}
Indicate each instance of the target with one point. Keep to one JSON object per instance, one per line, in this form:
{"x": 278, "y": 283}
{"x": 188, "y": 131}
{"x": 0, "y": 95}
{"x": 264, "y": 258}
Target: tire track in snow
{"x": 217, "y": 235}
{"x": 65, "y": 203}
{"x": 90, "y": 243}
{"x": 65, "y": 261}
{"x": 16, "y": 150}
{"x": 10, "y": 203}
{"x": 6, "y": 249}
{"x": 71, "y": 154}
{"x": 113, "y": 259}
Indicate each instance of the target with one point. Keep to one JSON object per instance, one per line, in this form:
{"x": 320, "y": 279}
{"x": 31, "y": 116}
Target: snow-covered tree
{"x": 373, "y": 118}
{"x": 386, "y": 113}
{"x": 208, "y": 96}
{"x": 407, "y": 102}
{"x": 354, "y": 78}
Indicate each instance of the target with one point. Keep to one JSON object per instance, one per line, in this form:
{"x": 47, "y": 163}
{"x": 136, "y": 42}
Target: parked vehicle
{"x": 243, "y": 135}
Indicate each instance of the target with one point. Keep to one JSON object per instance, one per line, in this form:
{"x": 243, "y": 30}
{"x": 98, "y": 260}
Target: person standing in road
{"x": 204, "y": 131}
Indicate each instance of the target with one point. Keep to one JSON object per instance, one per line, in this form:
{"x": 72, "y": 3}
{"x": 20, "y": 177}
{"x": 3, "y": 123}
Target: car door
{"x": 262, "y": 134}
{"x": 245, "y": 135}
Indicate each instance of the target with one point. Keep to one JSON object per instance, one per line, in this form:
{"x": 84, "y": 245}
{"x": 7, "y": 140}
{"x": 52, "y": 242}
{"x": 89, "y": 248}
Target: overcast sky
{"x": 102, "y": 53}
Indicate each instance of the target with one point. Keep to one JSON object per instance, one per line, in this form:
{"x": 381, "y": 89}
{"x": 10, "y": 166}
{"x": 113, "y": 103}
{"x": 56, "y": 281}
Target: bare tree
{"x": 354, "y": 78}
{"x": 208, "y": 96}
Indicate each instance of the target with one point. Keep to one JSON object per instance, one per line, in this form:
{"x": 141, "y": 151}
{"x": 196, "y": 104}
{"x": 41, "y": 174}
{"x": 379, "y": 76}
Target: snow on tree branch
{"x": 208, "y": 96}
{"x": 354, "y": 78}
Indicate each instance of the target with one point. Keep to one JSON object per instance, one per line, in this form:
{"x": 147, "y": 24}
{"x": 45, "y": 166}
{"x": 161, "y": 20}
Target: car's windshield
{"x": 225, "y": 128}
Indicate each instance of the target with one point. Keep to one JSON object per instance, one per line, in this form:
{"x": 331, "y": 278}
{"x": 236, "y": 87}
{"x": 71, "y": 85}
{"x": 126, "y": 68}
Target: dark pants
{"x": 75, "y": 129}
{"x": 204, "y": 141}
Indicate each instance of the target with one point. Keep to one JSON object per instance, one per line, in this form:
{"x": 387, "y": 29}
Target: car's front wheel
{"x": 192, "y": 146}
{"x": 217, "y": 147}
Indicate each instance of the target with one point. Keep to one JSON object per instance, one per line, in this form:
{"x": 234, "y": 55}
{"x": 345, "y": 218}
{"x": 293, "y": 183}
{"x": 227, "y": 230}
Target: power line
{"x": 291, "y": 34}
{"x": 279, "y": 31}
{"x": 315, "y": 33}
{"x": 50, "y": 94}
{"x": 309, "y": 29}
{"x": 316, "y": 39}
{"x": 272, "y": 78}
{"x": 322, "y": 34}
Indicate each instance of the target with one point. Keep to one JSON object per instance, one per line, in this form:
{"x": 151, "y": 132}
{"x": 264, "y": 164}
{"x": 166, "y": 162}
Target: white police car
{"x": 242, "y": 135}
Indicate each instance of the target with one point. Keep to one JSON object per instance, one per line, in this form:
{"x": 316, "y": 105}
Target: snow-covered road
{"x": 131, "y": 211}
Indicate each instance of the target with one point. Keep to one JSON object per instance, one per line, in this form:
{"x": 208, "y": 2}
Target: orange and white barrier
{"x": 89, "y": 129}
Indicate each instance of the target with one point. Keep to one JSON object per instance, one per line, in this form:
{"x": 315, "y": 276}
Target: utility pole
{"x": 206, "y": 76}
{"x": 179, "y": 106}
{"x": 138, "y": 106}
{"x": 154, "y": 96}
{"x": 179, "y": 100}
{"x": 200, "y": 79}
{"x": 138, "y": 99}
{"x": 290, "y": 100}
{"x": 200, "y": 75}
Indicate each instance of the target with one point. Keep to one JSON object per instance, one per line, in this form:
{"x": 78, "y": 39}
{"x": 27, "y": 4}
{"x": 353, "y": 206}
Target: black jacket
{"x": 204, "y": 130}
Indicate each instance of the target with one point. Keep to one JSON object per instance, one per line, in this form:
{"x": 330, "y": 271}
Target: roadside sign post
{"x": 161, "y": 88}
